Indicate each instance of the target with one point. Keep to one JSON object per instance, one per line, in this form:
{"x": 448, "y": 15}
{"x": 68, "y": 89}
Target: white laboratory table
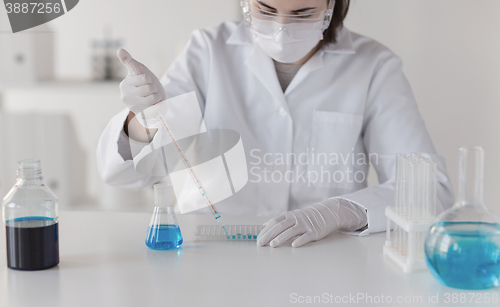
{"x": 104, "y": 262}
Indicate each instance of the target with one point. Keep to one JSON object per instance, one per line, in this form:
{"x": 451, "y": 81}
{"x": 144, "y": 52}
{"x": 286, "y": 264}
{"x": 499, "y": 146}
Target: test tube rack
{"x": 234, "y": 233}
{"x": 413, "y": 213}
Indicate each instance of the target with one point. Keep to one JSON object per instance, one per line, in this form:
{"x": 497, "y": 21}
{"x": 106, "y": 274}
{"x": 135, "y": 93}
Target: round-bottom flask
{"x": 462, "y": 248}
{"x": 164, "y": 232}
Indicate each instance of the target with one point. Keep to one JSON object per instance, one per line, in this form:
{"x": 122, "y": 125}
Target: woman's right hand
{"x": 141, "y": 88}
{"x": 138, "y": 92}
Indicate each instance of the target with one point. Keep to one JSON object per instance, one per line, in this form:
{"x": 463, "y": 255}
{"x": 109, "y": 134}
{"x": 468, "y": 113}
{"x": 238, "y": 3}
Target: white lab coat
{"x": 350, "y": 97}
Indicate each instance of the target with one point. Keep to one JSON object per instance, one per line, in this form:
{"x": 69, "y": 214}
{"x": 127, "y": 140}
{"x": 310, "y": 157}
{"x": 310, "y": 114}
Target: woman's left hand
{"x": 312, "y": 223}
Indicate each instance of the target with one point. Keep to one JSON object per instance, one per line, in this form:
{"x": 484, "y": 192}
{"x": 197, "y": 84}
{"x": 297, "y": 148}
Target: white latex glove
{"x": 312, "y": 223}
{"x": 141, "y": 88}
{"x": 150, "y": 118}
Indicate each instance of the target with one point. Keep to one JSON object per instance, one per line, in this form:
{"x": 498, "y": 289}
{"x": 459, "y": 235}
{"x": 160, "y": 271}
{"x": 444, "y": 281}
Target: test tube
{"x": 415, "y": 195}
{"x": 433, "y": 187}
{"x": 416, "y": 188}
{"x": 403, "y": 243}
{"x": 399, "y": 196}
{"x": 400, "y": 188}
{"x": 425, "y": 187}
{"x": 420, "y": 189}
{"x": 394, "y": 240}
{"x": 389, "y": 235}
{"x": 403, "y": 235}
{"x": 403, "y": 190}
{"x": 394, "y": 237}
{"x": 397, "y": 203}
{"x": 409, "y": 189}
{"x": 400, "y": 239}
{"x": 411, "y": 245}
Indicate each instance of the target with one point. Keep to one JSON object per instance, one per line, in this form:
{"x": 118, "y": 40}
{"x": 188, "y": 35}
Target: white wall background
{"x": 451, "y": 56}
{"x": 450, "y": 50}
{"x": 154, "y": 31}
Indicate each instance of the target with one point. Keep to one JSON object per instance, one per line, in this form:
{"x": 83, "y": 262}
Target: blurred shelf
{"x": 88, "y": 105}
{"x": 62, "y": 85}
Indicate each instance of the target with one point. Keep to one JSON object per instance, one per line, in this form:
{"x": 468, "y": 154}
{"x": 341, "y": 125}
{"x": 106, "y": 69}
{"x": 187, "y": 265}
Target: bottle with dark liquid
{"x": 31, "y": 221}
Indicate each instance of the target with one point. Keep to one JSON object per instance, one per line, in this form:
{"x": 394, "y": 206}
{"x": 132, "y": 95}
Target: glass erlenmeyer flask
{"x": 164, "y": 232}
{"x": 462, "y": 248}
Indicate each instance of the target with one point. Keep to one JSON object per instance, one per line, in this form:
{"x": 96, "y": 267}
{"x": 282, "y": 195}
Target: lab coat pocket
{"x": 333, "y": 138}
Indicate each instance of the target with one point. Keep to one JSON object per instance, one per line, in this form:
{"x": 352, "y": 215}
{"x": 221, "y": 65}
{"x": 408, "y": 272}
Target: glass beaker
{"x": 31, "y": 221}
{"x": 462, "y": 248}
{"x": 164, "y": 232}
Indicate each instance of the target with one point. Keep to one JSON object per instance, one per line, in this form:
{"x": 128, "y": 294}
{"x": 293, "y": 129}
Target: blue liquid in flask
{"x": 464, "y": 255}
{"x": 164, "y": 237}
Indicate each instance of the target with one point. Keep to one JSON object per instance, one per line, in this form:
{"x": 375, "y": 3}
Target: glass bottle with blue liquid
{"x": 31, "y": 221}
{"x": 164, "y": 232}
{"x": 462, "y": 248}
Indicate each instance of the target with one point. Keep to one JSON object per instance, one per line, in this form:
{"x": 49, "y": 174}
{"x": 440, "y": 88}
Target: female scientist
{"x": 314, "y": 104}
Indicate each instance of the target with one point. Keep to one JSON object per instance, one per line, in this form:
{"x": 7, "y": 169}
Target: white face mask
{"x": 286, "y": 43}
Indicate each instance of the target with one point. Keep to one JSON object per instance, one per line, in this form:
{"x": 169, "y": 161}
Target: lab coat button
{"x": 282, "y": 111}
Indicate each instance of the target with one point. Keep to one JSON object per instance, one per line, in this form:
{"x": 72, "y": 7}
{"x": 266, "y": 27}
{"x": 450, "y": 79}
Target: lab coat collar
{"x": 258, "y": 62}
{"x": 243, "y": 36}
{"x": 263, "y": 68}
{"x": 343, "y": 45}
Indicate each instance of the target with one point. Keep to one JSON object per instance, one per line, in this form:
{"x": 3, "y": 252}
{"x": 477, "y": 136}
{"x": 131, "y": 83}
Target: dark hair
{"x": 339, "y": 12}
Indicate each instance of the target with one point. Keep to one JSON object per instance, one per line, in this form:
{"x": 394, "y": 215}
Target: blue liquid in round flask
{"x": 164, "y": 232}
{"x": 462, "y": 248}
